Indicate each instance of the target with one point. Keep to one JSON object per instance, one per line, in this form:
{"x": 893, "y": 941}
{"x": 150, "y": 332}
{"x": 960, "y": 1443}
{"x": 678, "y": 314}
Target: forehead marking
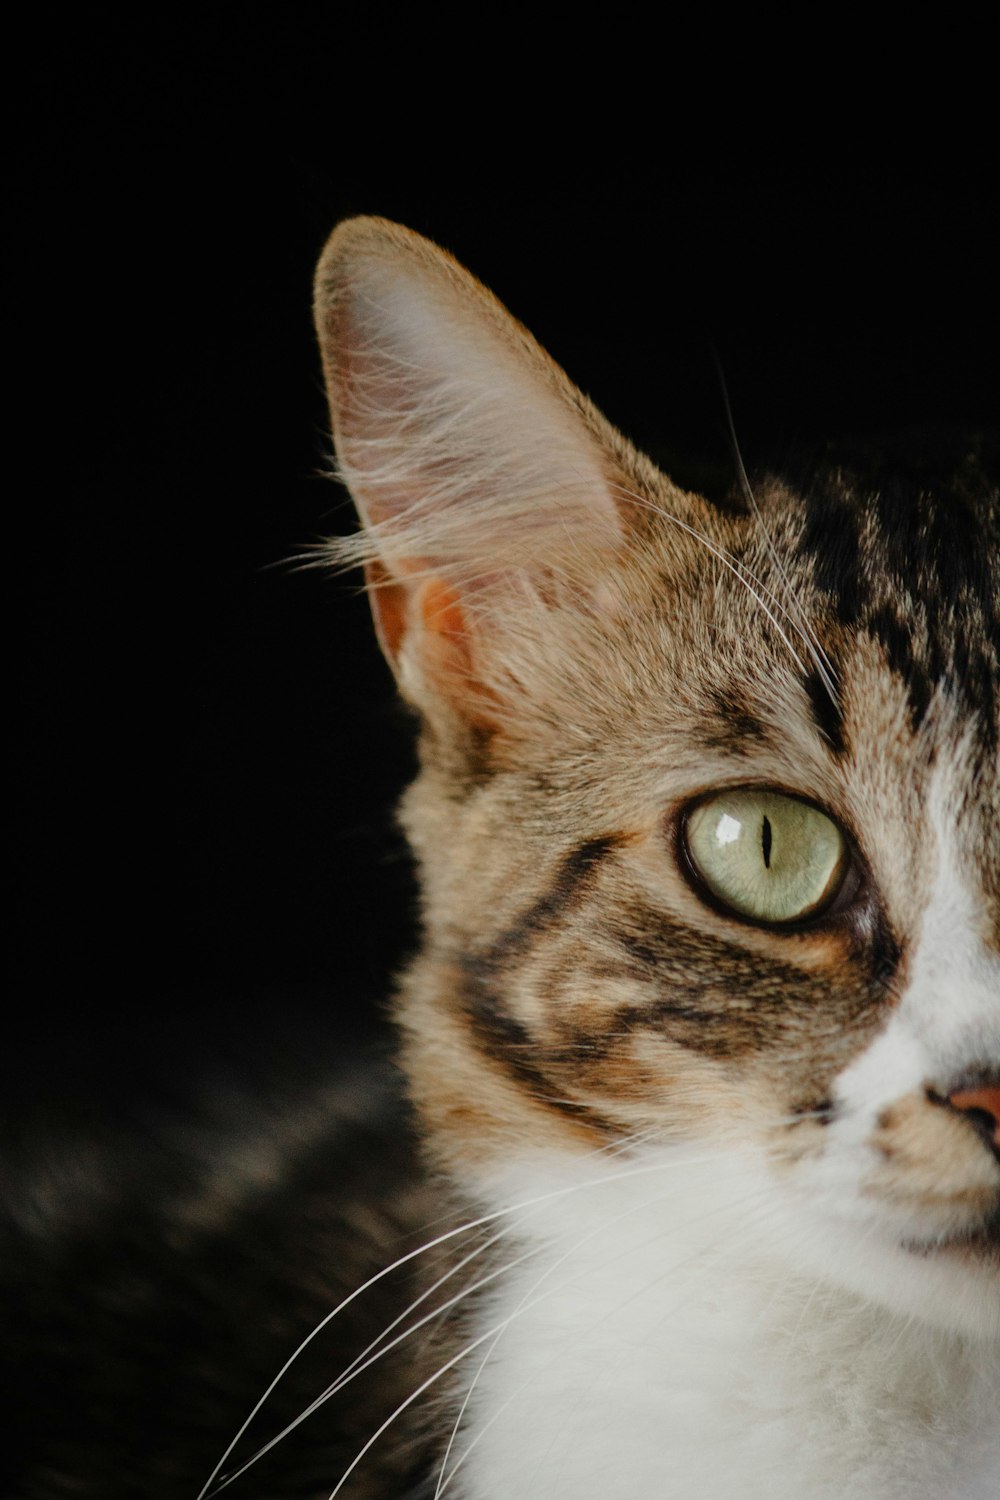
{"x": 915, "y": 567}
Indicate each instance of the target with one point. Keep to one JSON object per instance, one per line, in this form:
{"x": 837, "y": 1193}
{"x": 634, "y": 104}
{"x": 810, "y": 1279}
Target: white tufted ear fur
{"x": 475, "y": 464}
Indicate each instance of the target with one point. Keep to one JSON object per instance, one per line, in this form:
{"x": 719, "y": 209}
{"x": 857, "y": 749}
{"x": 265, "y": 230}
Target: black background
{"x": 206, "y": 744}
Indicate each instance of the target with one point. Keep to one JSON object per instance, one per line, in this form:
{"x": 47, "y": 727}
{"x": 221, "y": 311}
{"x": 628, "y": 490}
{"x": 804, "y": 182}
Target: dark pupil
{"x": 765, "y": 842}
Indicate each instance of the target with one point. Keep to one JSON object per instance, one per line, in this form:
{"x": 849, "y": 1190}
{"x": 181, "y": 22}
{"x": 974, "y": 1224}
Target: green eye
{"x": 767, "y": 856}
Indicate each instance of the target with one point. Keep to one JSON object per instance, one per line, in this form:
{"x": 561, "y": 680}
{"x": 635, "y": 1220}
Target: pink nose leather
{"x": 985, "y": 1100}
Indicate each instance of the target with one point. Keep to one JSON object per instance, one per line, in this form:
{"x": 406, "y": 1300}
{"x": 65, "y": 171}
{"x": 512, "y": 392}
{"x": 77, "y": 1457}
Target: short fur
{"x": 761, "y": 1251}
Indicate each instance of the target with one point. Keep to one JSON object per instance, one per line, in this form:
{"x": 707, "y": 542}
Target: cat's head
{"x": 709, "y": 814}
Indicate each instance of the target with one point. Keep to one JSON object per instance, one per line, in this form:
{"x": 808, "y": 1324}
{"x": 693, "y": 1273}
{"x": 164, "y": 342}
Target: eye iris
{"x": 766, "y": 855}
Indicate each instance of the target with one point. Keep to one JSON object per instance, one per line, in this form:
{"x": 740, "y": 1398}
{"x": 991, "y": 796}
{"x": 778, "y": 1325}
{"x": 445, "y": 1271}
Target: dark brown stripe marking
{"x": 571, "y": 879}
{"x": 715, "y": 997}
{"x": 926, "y": 583}
{"x": 826, "y": 711}
{"x": 735, "y": 721}
{"x": 499, "y": 1033}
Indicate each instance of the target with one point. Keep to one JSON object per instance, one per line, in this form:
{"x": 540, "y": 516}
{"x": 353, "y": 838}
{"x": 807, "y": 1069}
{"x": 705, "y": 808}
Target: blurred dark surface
{"x": 207, "y": 750}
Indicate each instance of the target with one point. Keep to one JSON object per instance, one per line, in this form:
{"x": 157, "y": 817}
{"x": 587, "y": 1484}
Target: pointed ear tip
{"x": 346, "y": 244}
{"x": 354, "y": 240}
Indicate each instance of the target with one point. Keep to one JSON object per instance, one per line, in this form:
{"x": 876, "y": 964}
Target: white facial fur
{"x": 674, "y": 1333}
{"x": 945, "y": 1025}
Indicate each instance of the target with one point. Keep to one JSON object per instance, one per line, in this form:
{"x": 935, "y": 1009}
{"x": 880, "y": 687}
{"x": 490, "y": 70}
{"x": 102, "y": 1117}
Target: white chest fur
{"x": 662, "y": 1340}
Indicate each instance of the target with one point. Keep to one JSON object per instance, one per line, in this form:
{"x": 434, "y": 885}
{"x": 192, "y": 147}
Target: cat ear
{"x": 476, "y": 466}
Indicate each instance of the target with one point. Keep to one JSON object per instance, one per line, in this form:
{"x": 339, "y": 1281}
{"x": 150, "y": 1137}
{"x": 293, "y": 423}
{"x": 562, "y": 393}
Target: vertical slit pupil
{"x": 765, "y": 842}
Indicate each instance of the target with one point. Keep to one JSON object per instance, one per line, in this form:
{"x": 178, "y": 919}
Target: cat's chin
{"x": 977, "y": 1250}
{"x": 950, "y": 1284}
{"x": 712, "y": 1212}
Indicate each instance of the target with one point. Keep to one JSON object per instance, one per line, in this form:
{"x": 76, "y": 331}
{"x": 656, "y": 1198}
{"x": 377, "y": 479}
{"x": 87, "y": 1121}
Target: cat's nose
{"x": 980, "y": 1104}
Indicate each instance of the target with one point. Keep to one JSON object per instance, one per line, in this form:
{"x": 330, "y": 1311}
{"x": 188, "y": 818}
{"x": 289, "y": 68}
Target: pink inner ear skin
{"x": 441, "y": 612}
{"x": 388, "y": 602}
{"x": 445, "y": 647}
{"x": 429, "y": 611}
{"x": 429, "y": 607}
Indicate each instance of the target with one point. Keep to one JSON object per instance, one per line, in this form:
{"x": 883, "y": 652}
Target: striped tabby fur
{"x": 747, "y": 1232}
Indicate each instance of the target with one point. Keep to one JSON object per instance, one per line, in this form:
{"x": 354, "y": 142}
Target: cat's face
{"x": 709, "y": 819}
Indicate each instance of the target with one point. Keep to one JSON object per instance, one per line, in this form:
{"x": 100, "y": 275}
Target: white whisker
{"x": 535, "y": 1203}
{"x": 368, "y": 1358}
{"x": 750, "y": 582}
{"x": 425, "y": 1385}
{"x": 821, "y": 661}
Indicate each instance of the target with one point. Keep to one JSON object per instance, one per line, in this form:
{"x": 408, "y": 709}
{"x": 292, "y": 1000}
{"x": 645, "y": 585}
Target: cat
{"x": 705, "y": 1030}
{"x": 696, "y": 1186}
